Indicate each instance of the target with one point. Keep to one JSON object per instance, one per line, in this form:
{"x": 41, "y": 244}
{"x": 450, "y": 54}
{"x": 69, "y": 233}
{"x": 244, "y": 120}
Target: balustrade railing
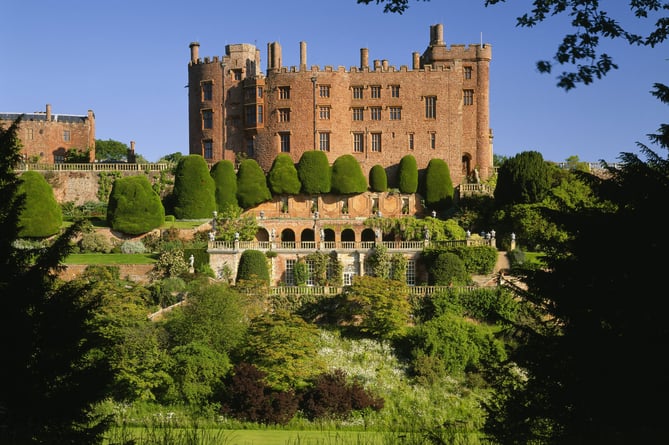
{"x": 343, "y": 245}
{"x": 94, "y": 166}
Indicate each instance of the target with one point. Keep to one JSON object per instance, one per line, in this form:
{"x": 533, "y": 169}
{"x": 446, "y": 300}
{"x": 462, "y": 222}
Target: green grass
{"x": 110, "y": 258}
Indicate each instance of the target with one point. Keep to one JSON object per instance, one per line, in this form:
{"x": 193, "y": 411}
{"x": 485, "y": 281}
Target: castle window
{"x": 430, "y": 107}
{"x": 260, "y": 92}
{"x": 357, "y": 92}
{"x": 395, "y": 90}
{"x": 324, "y": 113}
{"x": 250, "y": 147}
{"x": 376, "y": 113}
{"x": 237, "y": 74}
{"x": 249, "y": 94}
{"x": 376, "y": 92}
{"x": 324, "y": 141}
{"x": 66, "y": 135}
{"x": 260, "y": 114}
{"x": 433, "y": 140}
{"x": 358, "y": 142}
{"x": 284, "y": 92}
{"x": 358, "y": 114}
{"x": 468, "y": 97}
{"x": 284, "y": 115}
{"x": 207, "y": 90}
{"x": 468, "y": 72}
{"x": 58, "y": 159}
{"x": 250, "y": 115}
{"x": 290, "y": 275}
{"x": 411, "y": 272}
{"x": 395, "y": 113}
{"x": 207, "y": 119}
{"x": 411, "y": 141}
{"x": 324, "y": 90}
{"x": 285, "y": 142}
{"x": 31, "y": 134}
{"x": 376, "y": 142}
{"x": 208, "y": 149}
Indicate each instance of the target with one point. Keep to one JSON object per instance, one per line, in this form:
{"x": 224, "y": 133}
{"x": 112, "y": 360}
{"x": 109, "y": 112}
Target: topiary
{"x": 225, "y": 180}
{"x": 448, "y": 269}
{"x": 134, "y": 207}
{"x": 438, "y": 185}
{"x": 407, "y": 175}
{"x": 282, "y": 177}
{"x": 378, "y": 179}
{"x": 313, "y": 170}
{"x": 251, "y": 184}
{"x": 194, "y": 189}
{"x": 253, "y": 266}
{"x": 41, "y": 215}
{"x": 347, "y": 177}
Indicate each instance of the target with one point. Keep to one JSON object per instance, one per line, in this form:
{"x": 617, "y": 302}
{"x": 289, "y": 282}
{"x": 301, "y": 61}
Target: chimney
{"x": 303, "y": 56}
{"x": 194, "y": 52}
{"x": 416, "y": 60}
{"x": 364, "y": 58}
{"x": 48, "y": 112}
{"x": 437, "y": 34}
{"x": 384, "y": 63}
{"x": 131, "y": 153}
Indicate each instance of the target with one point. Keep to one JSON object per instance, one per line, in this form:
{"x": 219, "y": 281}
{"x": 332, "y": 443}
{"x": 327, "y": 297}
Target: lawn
{"x": 110, "y": 258}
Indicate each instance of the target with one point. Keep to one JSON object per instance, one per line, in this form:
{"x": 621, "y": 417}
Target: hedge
{"x": 225, "y": 182}
{"x": 282, "y": 177}
{"x": 134, "y": 207}
{"x": 253, "y": 266}
{"x": 41, "y": 215}
{"x": 313, "y": 170}
{"x": 438, "y": 185}
{"x": 378, "y": 179}
{"x": 251, "y": 184}
{"x": 407, "y": 175}
{"x": 194, "y": 189}
{"x": 347, "y": 177}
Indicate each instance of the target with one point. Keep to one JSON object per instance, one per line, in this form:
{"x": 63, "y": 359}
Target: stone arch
{"x": 262, "y": 234}
{"x": 329, "y": 235}
{"x": 287, "y": 235}
{"x": 466, "y": 165}
{"x": 307, "y": 235}
{"x": 368, "y": 235}
{"x": 347, "y": 235}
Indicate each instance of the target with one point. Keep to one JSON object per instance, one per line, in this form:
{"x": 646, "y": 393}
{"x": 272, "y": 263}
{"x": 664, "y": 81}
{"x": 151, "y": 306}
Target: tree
{"x": 282, "y": 178}
{"x": 407, "y": 175}
{"x": 225, "y": 179}
{"x": 42, "y": 216}
{"x": 253, "y": 266}
{"x": 378, "y": 179}
{"x": 134, "y": 207}
{"x": 591, "y": 23}
{"x": 111, "y": 150}
{"x": 438, "y": 185}
{"x": 588, "y": 346}
{"x": 347, "y": 176}
{"x": 313, "y": 169}
{"x": 52, "y": 372}
{"x": 193, "y": 189}
{"x": 522, "y": 179}
{"x": 251, "y": 184}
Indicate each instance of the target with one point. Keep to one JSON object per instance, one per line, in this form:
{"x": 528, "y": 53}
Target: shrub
{"x": 253, "y": 266}
{"x": 225, "y": 180}
{"x": 251, "y": 184}
{"x": 313, "y": 170}
{"x": 170, "y": 263}
{"x": 448, "y": 269}
{"x": 133, "y": 246}
{"x": 407, "y": 175}
{"x": 378, "y": 179}
{"x": 134, "y": 207}
{"x": 95, "y": 242}
{"x": 282, "y": 178}
{"x": 41, "y": 215}
{"x": 438, "y": 185}
{"x": 347, "y": 177}
{"x": 194, "y": 189}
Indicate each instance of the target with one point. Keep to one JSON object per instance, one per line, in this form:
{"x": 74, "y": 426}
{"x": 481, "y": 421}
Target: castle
{"x": 46, "y": 137}
{"x": 438, "y": 108}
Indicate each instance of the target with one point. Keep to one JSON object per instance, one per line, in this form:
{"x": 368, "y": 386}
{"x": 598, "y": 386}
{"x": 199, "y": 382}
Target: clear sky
{"x": 128, "y": 62}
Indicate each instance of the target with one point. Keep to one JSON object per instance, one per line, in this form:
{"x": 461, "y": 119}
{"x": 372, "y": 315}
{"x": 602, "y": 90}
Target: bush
{"x": 313, "y": 170}
{"x": 134, "y": 207}
{"x": 448, "y": 269}
{"x": 407, "y": 175}
{"x": 41, "y": 215}
{"x": 194, "y": 189}
{"x": 253, "y": 267}
{"x": 251, "y": 184}
{"x": 438, "y": 185}
{"x": 95, "y": 242}
{"x": 133, "y": 246}
{"x": 347, "y": 177}
{"x": 225, "y": 180}
{"x": 378, "y": 179}
{"x": 282, "y": 178}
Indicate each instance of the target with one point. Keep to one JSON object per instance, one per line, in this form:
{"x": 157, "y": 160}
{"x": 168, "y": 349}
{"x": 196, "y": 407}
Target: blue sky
{"x": 127, "y": 61}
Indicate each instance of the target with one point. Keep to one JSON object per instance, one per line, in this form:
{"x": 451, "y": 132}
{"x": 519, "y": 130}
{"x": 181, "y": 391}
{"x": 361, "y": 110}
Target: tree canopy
{"x": 110, "y": 150}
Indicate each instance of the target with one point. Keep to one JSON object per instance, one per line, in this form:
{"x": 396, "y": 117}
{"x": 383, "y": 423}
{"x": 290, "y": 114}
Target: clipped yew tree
{"x": 253, "y": 267}
{"x": 438, "y": 185}
{"x": 134, "y": 207}
{"x": 313, "y": 169}
{"x": 407, "y": 175}
{"x": 251, "y": 184}
{"x": 225, "y": 182}
{"x": 194, "y": 189}
{"x": 41, "y": 215}
{"x": 347, "y": 176}
{"x": 378, "y": 179}
{"x": 283, "y": 178}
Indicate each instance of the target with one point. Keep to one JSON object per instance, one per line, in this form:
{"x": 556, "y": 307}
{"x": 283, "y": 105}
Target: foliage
{"x": 448, "y": 269}
{"x": 134, "y": 207}
{"x": 413, "y": 229}
{"x": 377, "y": 306}
{"x": 225, "y": 179}
{"x": 314, "y": 172}
{"x": 522, "y": 179}
{"x": 231, "y": 222}
{"x": 77, "y": 156}
{"x": 133, "y": 246}
{"x": 41, "y": 216}
{"x": 347, "y": 176}
{"x": 170, "y": 263}
{"x": 300, "y": 272}
{"x": 95, "y": 242}
{"x": 378, "y": 179}
{"x": 251, "y": 184}
{"x": 407, "y": 175}
{"x": 194, "y": 189}
{"x": 439, "y": 189}
{"x": 105, "y": 184}
{"x": 283, "y": 346}
{"x": 252, "y": 267}
{"x": 111, "y": 150}
{"x": 282, "y": 177}
{"x": 52, "y": 373}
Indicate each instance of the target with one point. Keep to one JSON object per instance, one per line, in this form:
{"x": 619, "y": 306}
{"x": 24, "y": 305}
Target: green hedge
{"x": 253, "y": 267}
{"x": 347, "y": 177}
{"x": 194, "y": 189}
{"x": 378, "y": 179}
{"x": 407, "y": 175}
{"x": 225, "y": 181}
{"x": 41, "y": 216}
{"x": 313, "y": 169}
{"x": 438, "y": 185}
{"x": 134, "y": 207}
{"x": 282, "y": 177}
{"x": 251, "y": 184}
